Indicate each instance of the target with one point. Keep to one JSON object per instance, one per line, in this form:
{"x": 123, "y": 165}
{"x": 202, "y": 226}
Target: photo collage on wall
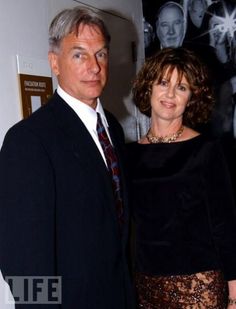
{"x": 209, "y": 28}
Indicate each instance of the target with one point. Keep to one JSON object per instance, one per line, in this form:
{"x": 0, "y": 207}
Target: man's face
{"x": 170, "y": 27}
{"x": 197, "y": 11}
{"x": 81, "y": 64}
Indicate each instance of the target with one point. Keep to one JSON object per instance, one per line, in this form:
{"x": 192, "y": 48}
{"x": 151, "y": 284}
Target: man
{"x": 60, "y": 213}
{"x": 170, "y": 25}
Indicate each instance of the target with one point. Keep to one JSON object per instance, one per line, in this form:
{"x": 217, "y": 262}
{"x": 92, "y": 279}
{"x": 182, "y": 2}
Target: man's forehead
{"x": 85, "y": 36}
{"x": 170, "y": 11}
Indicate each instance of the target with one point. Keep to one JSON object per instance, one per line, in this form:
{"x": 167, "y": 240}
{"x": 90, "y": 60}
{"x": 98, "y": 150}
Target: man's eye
{"x": 78, "y": 55}
{"x": 163, "y": 24}
{"x": 102, "y": 55}
{"x": 178, "y": 22}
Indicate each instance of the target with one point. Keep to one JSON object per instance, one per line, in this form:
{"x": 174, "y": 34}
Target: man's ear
{"x": 53, "y": 61}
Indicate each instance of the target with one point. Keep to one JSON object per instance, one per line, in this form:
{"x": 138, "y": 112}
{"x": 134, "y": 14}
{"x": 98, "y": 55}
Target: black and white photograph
{"x": 209, "y": 28}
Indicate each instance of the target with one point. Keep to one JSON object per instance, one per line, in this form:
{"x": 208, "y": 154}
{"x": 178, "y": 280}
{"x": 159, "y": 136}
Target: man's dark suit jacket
{"x": 57, "y": 214}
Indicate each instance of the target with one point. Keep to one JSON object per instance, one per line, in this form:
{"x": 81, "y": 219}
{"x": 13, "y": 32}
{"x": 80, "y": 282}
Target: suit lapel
{"x": 80, "y": 142}
{"x": 75, "y": 131}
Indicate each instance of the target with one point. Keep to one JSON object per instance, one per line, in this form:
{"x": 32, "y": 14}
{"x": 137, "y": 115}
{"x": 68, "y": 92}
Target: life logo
{"x": 34, "y": 290}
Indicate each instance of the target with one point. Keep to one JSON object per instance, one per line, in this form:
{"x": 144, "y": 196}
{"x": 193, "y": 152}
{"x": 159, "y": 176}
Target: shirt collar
{"x": 87, "y": 114}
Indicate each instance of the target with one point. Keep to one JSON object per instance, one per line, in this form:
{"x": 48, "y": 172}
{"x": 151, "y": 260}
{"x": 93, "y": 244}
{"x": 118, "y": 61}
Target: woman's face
{"x": 216, "y": 30}
{"x": 169, "y": 98}
{"x": 197, "y": 11}
{"x": 170, "y": 27}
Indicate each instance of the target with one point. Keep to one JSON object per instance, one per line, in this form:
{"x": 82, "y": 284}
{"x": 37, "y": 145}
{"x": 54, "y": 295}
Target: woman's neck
{"x": 165, "y": 128}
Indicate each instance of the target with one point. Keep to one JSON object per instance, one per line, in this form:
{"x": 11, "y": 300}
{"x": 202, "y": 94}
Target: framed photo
{"x": 35, "y": 92}
{"x": 35, "y": 83}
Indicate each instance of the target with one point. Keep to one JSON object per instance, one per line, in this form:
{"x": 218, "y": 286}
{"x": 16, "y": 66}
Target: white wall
{"x": 24, "y": 31}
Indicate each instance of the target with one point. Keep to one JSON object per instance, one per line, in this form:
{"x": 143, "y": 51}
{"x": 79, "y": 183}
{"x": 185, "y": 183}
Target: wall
{"x": 24, "y": 28}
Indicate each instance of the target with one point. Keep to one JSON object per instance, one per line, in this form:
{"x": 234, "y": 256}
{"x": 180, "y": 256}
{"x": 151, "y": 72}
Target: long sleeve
{"x": 26, "y": 208}
{"x": 221, "y": 210}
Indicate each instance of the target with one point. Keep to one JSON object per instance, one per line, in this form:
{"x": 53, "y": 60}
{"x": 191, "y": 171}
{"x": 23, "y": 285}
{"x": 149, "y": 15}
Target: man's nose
{"x": 171, "y": 29}
{"x": 94, "y": 66}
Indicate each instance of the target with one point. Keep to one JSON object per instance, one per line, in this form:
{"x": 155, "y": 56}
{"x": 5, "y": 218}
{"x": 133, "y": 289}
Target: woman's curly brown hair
{"x": 187, "y": 63}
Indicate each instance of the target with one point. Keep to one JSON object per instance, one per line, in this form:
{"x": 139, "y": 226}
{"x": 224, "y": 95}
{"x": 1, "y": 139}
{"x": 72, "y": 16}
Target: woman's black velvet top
{"x": 184, "y": 213}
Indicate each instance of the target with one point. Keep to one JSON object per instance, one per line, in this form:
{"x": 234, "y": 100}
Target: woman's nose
{"x": 170, "y": 93}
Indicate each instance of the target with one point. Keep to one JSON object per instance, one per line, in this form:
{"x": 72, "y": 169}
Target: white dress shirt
{"x": 88, "y": 116}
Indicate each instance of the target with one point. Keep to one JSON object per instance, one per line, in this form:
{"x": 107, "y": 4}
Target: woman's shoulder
{"x": 204, "y": 138}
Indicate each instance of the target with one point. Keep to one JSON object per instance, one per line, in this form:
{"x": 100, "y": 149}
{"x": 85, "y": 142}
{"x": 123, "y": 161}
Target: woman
{"x": 196, "y": 10}
{"x": 185, "y": 218}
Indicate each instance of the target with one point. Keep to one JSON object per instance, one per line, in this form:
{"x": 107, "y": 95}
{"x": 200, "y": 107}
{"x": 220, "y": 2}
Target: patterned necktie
{"x": 112, "y": 164}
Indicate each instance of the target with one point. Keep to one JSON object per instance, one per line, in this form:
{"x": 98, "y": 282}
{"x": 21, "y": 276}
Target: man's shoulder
{"x": 45, "y": 114}
{"x": 40, "y": 120}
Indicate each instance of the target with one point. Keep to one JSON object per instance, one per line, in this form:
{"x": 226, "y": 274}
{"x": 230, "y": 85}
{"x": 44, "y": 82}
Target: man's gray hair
{"x": 69, "y": 20}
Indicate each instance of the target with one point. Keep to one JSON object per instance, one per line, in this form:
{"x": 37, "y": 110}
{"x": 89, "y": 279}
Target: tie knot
{"x": 99, "y": 118}
{"x": 100, "y": 126}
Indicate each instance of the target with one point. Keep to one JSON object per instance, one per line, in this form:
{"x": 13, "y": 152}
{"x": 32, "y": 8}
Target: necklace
{"x": 164, "y": 139}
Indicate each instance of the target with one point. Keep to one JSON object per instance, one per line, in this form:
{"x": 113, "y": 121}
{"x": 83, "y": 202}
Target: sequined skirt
{"x": 204, "y": 290}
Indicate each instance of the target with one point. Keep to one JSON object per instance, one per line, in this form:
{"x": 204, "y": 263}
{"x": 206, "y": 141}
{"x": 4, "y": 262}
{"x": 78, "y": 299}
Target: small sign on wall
{"x": 35, "y": 83}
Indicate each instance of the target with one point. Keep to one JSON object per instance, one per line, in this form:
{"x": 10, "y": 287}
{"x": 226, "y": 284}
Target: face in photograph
{"x": 216, "y": 30}
{"x": 218, "y": 38}
{"x": 197, "y": 9}
{"x": 170, "y": 25}
{"x": 148, "y": 33}
{"x": 222, "y": 29}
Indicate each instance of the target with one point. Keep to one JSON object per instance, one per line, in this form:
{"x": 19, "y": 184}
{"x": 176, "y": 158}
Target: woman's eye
{"x": 163, "y": 83}
{"x": 182, "y": 88}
